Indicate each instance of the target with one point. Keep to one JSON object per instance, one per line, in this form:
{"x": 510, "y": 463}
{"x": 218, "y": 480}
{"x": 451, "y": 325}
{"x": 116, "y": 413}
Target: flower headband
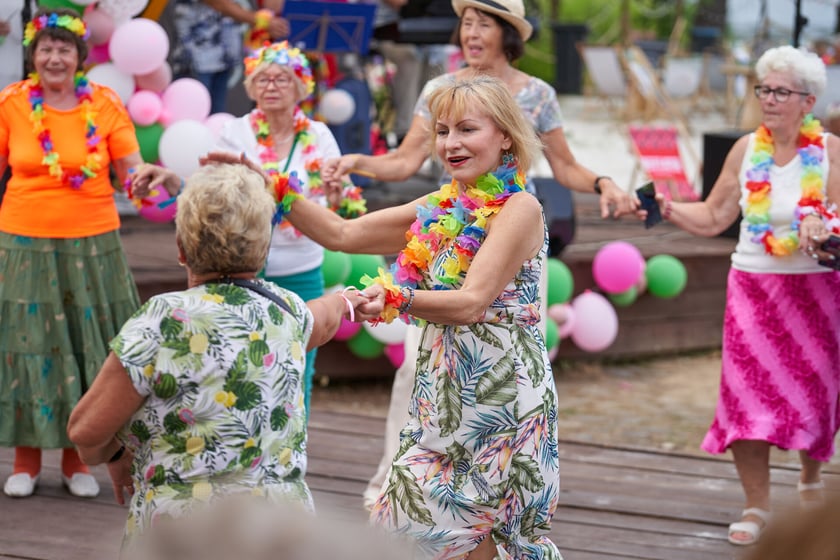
{"x": 284, "y": 55}
{"x": 70, "y": 23}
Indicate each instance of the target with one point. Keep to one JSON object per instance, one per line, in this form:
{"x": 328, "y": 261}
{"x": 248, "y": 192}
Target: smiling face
{"x": 788, "y": 114}
{"x": 56, "y": 62}
{"x": 469, "y": 145}
{"x": 481, "y": 39}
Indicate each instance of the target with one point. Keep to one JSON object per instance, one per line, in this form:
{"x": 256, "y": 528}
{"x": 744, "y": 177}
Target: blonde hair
{"x": 491, "y": 97}
{"x": 223, "y": 222}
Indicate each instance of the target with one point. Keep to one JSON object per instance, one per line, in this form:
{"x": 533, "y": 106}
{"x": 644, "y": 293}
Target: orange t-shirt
{"x": 37, "y": 204}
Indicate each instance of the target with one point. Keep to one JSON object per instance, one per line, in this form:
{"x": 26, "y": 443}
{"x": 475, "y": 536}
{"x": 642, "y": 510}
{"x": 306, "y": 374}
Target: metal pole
{"x": 798, "y": 23}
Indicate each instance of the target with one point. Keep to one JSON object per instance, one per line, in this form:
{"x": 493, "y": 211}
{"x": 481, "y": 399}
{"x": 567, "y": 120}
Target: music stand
{"x": 330, "y": 26}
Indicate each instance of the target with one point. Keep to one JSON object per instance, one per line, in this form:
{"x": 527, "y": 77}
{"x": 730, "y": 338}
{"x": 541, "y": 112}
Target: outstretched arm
{"x": 713, "y": 215}
{"x": 570, "y": 173}
{"x": 397, "y": 165}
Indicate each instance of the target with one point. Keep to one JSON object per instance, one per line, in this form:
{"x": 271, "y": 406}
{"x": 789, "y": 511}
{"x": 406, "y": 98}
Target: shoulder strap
{"x": 254, "y": 287}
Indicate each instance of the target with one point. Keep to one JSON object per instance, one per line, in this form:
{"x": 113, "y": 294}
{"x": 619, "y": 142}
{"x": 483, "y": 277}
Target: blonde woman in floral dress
{"x": 202, "y": 394}
{"x": 476, "y": 474}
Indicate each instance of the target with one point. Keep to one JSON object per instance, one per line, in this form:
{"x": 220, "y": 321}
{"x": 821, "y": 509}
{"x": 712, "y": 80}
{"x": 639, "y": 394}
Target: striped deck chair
{"x": 658, "y": 152}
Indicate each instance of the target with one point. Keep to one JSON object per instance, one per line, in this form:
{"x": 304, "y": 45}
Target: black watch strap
{"x": 598, "y": 183}
{"x": 118, "y": 455}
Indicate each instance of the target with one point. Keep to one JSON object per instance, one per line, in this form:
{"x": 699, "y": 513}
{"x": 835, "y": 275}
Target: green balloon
{"x": 335, "y": 268}
{"x": 552, "y": 337}
{"x": 561, "y": 284}
{"x": 364, "y": 264}
{"x": 149, "y": 138}
{"x": 363, "y": 345}
{"x": 625, "y": 298}
{"x": 54, "y": 4}
{"x": 666, "y": 276}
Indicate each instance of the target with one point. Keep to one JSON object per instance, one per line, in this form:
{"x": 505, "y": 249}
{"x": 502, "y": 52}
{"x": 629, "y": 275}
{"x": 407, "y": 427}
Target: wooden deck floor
{"x": 616, "y": 504}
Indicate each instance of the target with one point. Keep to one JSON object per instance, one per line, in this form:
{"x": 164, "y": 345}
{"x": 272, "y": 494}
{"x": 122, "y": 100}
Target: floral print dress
{"x": 479, "y": 454}
{"x": 221, "y": 367}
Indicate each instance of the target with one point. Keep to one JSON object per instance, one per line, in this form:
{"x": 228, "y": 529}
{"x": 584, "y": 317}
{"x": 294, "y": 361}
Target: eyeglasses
{"x": 281, "y": 81}
{"x": 780, "y": 94}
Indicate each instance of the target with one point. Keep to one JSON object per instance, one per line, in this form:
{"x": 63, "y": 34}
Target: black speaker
{"x": 559, "y": 209}
{"x": 715, "y": 147}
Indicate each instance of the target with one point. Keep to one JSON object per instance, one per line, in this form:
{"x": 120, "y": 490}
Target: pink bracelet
{"x": 350, "y": 309}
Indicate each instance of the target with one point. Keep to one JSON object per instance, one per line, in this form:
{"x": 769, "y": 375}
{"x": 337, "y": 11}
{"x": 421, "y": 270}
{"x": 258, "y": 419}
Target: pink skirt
{"x": 781, "y": 363}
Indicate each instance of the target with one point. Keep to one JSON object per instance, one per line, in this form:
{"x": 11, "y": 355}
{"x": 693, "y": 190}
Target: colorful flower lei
{"x": 451, "y": 218}
{"x": 93, "y": 163}
{"x": 757, "y": 212}
{"x": 286, "y": 187}
{"x": 70, "y": 23}
{"x": 258, "y": 35}
{"x": 284, "y": 55}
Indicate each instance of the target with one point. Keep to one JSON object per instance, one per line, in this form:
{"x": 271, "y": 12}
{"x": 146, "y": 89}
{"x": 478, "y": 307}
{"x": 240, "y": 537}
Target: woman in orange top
{"x": 66, "y": 287}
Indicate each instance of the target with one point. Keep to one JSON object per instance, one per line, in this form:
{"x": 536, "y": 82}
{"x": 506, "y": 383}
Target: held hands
{"x": 812, "y": 234}
{"x": 146, "y": 177}
{"x": 120, "y": 473}
{"x": 367, "y": 304}
{"x": 616, "y": 200}
{"x": 335, "y": 168}
{"x": 278, "y": 27}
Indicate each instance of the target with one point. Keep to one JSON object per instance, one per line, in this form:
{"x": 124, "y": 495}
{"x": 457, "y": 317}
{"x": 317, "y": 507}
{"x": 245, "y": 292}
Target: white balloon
{"x": 387, "y": 333}
{"x": 109, "y": 75}
{"x": 182, "y": 143}
{"x": 337, "y": 106}
{"x": 122, "y": 10}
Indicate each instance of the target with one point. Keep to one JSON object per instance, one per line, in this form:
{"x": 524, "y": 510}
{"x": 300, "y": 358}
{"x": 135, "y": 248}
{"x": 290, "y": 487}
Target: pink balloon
{"x": 97, "y": 54}
{"x": 395, "y": 353}
{"x": 617, "y": 267}
{"x": 150, "y": 207}
{"x": 566, "y": 322}
{"x": 139, "y": 46}
{"x": 186, "y": 99}
{"x": 156, "y": 80}
{"x": 346, "y": 330}
{"x": 100, "y": 25}
{"x": 595, "y": 324}
{"x": 216, "y": 122}
{"x": 552, "y": 354}
{"x": 145, "y": 107}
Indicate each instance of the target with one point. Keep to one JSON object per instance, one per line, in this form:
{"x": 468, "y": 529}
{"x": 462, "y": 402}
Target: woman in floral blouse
{"x": 202, "y": 394}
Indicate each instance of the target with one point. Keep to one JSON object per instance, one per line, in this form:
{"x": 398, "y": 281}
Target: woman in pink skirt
{"x": 779, "y": 383}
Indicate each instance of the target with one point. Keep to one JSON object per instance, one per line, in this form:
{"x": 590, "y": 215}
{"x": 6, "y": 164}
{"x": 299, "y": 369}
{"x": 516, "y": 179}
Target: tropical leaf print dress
{"x": 479, "y": 454}
{"x": 221, "y": 367}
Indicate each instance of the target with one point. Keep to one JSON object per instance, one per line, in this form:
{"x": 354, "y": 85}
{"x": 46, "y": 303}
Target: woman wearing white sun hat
{"x": 491, "y": 35}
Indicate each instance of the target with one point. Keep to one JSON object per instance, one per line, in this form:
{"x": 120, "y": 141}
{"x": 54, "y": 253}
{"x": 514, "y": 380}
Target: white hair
{"x": 806, "y": 68}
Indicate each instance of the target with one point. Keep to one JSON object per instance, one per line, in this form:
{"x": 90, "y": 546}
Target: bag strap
{"x": 254, "y": 287}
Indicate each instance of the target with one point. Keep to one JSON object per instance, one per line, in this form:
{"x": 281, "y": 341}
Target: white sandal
{"x": 752, "y": 528}
{"x": 811, "y": 486}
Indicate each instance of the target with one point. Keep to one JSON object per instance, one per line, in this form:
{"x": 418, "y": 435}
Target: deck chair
{"x": 607, "y": 75}
{"x": 646, "y": 92}
{"x": 682, "y": 77}
{"x": 658, "y": 151}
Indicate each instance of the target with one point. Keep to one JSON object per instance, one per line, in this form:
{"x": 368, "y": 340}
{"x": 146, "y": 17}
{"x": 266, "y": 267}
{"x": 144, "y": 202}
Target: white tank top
{"x": 785, "y": 194}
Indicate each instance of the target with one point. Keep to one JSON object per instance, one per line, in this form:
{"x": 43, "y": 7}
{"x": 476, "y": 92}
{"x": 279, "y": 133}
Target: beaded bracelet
{"x": 173, "y": 199}
{"x": 407, "y": 301}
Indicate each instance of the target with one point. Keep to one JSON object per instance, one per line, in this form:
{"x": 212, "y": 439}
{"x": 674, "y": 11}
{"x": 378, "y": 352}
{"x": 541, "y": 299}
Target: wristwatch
{"x": 598, "y": 183}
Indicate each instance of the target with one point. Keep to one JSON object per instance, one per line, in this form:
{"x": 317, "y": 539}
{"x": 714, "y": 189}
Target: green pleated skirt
{"x": 61, "y": 302}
